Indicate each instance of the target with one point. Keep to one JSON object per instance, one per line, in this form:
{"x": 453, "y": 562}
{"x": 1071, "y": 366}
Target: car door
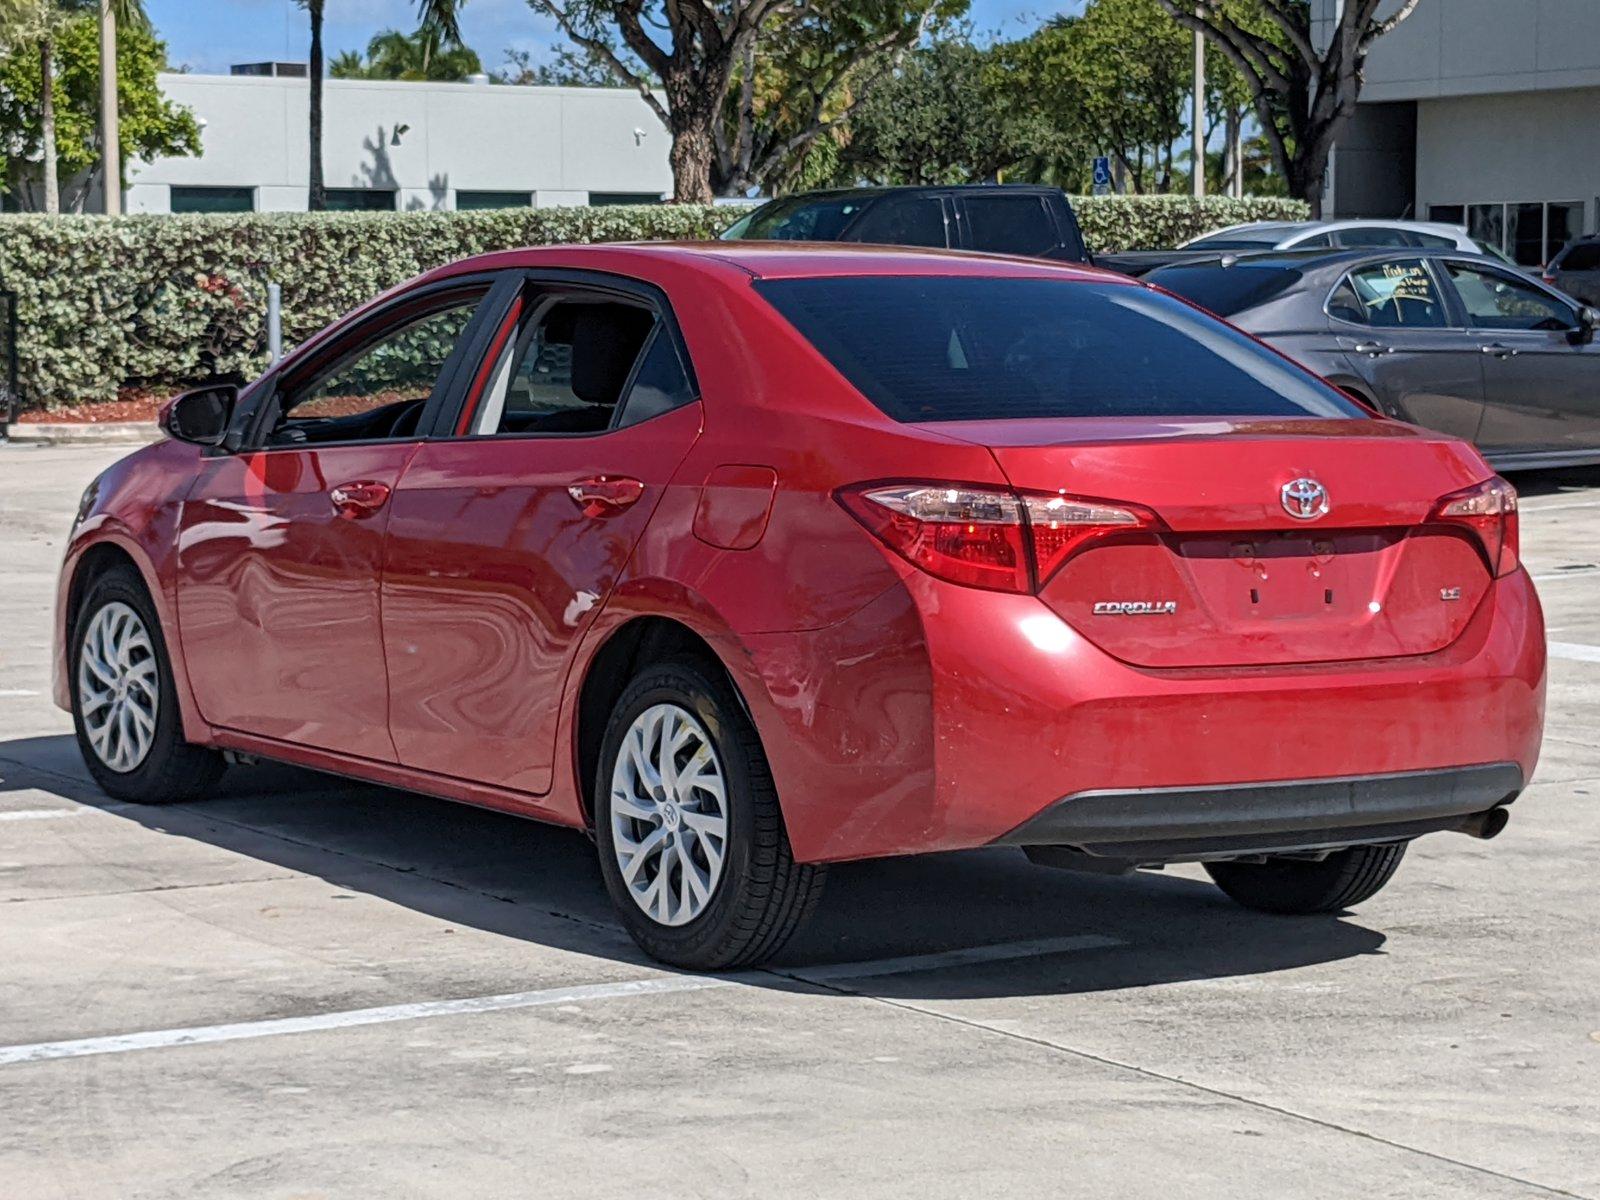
{"x": 1541, "y": 378}
{"x": 1392, "y": 322}
{"x": 505, "y": 539}
{"x": 281, "y": 543}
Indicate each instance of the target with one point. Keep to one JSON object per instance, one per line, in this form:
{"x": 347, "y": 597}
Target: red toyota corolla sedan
{"x": 751, "y": 558}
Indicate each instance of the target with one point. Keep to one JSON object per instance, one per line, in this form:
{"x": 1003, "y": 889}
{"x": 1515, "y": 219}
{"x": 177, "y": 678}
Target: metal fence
{"x": 10, "y": 398}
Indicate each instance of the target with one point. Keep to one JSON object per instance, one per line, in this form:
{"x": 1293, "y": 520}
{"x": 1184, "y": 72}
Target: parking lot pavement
{"x": 308, "y": 987}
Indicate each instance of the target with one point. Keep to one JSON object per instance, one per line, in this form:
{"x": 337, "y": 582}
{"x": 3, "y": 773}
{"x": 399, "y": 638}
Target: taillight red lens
{"x": 987, "y": 538}
{"x": 1489, "y": 509}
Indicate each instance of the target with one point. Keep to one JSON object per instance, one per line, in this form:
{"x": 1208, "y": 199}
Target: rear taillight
{"x": 1489, "y": 509}
{"x": 989, "y": 538}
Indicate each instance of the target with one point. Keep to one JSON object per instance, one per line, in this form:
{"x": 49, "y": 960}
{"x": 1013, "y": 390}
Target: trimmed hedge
{"x": 164, "y": 301}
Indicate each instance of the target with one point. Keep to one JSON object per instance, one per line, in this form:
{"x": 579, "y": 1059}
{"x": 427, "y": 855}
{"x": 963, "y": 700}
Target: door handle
{"x": 605, "y": 495}
{"x": 1499, "y": 350}
{"x": 1372, "y": 348}
{"x": 356, "y": 500}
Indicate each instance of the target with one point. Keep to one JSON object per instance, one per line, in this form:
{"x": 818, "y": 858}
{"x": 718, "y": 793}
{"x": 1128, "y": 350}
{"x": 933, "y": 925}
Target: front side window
{"x": 379, "y": 390}
{"x": 957, "y": 348}
{"x": 1496, "y": 301}
{"x": 1389, "y": 295}
{"x": 798, "y": 220}
{"x": 582, "y": 365}
{"x": 1010, "y": 224}
{"x": 1585, "y": 256}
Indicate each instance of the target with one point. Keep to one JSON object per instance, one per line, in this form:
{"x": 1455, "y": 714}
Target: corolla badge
{"x": 1135, "y": 608}
{"x": 1304, "y": 499}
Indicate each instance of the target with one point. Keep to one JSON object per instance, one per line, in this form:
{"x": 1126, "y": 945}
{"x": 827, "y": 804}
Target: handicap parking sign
{"x": 1102, "y": 175}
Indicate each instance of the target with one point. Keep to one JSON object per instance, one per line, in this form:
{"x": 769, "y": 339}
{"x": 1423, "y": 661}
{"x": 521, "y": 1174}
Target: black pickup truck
{"x": 1037, "y": 222}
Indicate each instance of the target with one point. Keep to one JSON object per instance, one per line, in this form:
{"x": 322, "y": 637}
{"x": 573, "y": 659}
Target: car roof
{"x": 1319, "y": 260}
{"x": 903, "y": 189}
{"x": 783, "y": 260}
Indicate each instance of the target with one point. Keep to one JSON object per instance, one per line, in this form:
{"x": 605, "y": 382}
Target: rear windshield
{"x": 798, "y": 220}
{"x": 1236, "y": 240}
{"x": 967, "y": 348}
{"x": 1225, "y": 290}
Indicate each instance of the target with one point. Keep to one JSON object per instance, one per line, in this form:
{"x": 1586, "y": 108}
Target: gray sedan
{"x": 1457, "y": 342}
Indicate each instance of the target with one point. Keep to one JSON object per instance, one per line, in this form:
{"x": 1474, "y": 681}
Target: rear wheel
{"x": 691, "y": 840}
{"x": 124, "y": 705}
{"x": 1292, "y": 885}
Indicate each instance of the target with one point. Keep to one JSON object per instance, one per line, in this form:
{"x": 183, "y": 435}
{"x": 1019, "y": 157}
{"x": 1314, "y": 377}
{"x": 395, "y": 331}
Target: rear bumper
{"x": 945, "y": 718}
{"x": 1179, "y": 824}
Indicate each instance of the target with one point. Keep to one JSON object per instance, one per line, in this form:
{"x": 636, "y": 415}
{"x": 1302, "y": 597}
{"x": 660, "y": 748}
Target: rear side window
{"x": 1391, "y": 295}
{"x": 1226, "y": 290}
{"x": 968, "y": 348}
{"x": 1585, "y": 256}
{"x": 1010, "y": 224}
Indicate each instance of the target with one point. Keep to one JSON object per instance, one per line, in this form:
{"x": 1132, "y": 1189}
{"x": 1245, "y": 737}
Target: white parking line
{"x": 39, "y": 814}
{"x": 8, "y": 693}
{"x": 1576, "y": 651}
{"x": 202, "y": 1034}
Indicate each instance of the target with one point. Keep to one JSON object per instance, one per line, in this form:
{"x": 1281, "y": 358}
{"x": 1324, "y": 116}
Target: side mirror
{"x": 1588, "y": 321}
{"x": 201, "y": 416}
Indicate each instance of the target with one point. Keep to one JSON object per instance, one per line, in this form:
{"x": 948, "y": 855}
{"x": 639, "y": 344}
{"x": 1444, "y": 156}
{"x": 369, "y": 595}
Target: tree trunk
{"x": 47, "y": 123}
{"x": 317, "y": 198}
{"x": 691, "y": 162}
{"x": 1233, "y": 155}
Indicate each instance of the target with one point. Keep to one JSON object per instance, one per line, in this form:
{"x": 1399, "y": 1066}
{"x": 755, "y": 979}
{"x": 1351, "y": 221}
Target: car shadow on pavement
{"x": 1554, "y": 481}
{"x": 521, "y": 879}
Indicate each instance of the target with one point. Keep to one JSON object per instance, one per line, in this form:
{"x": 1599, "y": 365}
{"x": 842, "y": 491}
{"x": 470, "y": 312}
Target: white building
{"x": 1483, "y": 112}
{"x": 406, "y": 147}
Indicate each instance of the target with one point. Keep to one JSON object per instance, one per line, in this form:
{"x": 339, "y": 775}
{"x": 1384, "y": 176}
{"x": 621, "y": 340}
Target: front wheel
{"x": 124, "y": 704}
{"x": 1302, "y": 886}
{"x": 691, "y": 840}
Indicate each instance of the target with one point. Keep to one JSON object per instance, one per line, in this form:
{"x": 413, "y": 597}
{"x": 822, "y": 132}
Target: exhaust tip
{"x": 1486, "y": 825}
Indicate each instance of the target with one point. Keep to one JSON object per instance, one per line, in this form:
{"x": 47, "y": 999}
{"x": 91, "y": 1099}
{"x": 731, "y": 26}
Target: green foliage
{"x": 414, "y": 57}
{"x": 1120, "y": 74}
{"x": 1113, "y": 223}
{"x": 151, "y": 126}
{"x": 952, "y": 113}
{"x": 167, "y": 301}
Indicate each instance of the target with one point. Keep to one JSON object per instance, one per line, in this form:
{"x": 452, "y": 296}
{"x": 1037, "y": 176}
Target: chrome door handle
{"x": 361, "y": 499}
{"x": 1372, "y": 348}
{"x": 605, "y": 495}
{"x": 1499, "y": 350}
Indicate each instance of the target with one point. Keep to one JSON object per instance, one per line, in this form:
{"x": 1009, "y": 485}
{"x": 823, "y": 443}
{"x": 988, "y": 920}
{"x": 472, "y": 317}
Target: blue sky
{"x": 209, "y": 35}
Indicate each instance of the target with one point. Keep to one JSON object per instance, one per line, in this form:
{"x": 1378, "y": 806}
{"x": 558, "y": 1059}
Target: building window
{"x": 213, "y": 199}
{"x": 1531, "y": 234}
{"x": 359, "y": 200}
{"x": 466, "y": 201}
{"x": 624, "y": 197}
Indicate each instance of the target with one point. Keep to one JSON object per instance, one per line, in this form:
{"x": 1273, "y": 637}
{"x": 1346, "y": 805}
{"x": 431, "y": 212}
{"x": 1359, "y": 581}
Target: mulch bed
{"x": 130, "y": 405}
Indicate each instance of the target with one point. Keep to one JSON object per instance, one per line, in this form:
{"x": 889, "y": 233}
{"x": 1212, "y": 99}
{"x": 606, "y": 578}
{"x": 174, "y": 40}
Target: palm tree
{"x": 38, "y": 23}
{"x": 440, "y": 16}
{"x": 112, "y": 13}
{"x": 413, "y": 57}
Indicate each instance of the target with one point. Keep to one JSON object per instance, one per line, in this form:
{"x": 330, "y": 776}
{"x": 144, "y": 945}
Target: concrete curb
{"x": 66, "y": 433}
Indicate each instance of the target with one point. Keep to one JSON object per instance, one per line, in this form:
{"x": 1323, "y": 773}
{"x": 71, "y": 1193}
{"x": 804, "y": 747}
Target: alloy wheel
{"x": 118, "y": 687}
{"x": 669, "y": 814}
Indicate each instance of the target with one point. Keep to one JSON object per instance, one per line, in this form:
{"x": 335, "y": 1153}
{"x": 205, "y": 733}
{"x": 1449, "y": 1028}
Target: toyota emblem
{"x": 1304, "y": 499}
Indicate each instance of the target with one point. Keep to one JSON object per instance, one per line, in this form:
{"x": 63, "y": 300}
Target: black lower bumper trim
{"x": 1185, "y": 823}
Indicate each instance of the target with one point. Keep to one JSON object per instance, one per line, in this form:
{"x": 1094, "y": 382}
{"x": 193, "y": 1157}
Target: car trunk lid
{"x": 1231, "y": 578}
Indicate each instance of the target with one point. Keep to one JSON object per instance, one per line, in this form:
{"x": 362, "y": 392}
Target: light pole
{"x": 1197, "y": 115}
{"x": 110, "y": 125}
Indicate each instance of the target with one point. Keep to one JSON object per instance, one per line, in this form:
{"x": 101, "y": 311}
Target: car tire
{"x": 657, "y": 821}
{"x": 132, "y": 742}
{"x": 1304, "y": 886}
